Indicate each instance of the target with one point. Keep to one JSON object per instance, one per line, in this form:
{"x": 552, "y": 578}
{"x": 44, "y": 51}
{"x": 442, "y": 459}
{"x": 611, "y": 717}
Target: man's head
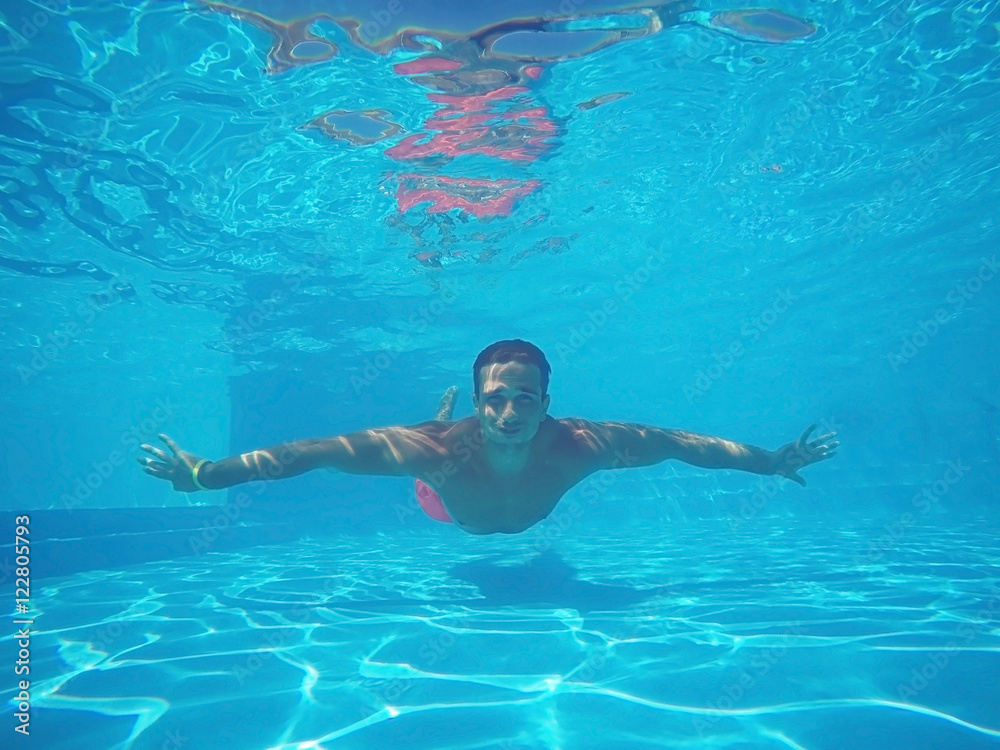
{"x": 511, "y": 380}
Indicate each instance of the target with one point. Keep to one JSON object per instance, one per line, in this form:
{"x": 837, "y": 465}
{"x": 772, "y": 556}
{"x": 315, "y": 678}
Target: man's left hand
{"x": 792, "y": 457}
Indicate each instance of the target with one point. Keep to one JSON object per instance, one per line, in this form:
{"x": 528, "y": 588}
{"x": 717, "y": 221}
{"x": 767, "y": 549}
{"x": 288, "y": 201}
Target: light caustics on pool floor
{"x": 696, "y": 637}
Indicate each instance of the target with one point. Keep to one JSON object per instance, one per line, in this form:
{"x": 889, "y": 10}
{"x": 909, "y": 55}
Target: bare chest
{"x": 485, "y": 503}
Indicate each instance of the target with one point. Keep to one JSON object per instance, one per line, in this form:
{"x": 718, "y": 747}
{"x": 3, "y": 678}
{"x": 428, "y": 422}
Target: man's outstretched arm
{"x": 390, "y": 451}
{"x": 616, "y": 445}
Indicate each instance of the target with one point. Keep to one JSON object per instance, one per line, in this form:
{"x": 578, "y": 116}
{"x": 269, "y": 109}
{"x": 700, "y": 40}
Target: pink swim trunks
{"x": 431, "y": 503}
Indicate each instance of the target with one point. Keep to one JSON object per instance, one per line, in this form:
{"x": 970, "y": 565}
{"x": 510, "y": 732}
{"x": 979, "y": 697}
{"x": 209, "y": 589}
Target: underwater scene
{"x": 522, "y": 375}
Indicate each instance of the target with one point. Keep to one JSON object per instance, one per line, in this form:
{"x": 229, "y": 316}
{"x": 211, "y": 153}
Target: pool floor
{"x": 762, "y": 635}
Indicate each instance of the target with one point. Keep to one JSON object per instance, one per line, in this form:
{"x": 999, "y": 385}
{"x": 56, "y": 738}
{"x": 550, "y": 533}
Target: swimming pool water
{"x": 758, "y": 637}
{"x": 243, "y": 224}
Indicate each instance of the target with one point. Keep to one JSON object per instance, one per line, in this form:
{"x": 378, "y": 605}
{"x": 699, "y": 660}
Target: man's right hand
{"x": 176, "y": 468}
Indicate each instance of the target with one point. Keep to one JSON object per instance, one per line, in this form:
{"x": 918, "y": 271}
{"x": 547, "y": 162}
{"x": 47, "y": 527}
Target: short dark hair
{"x": 512, "y": 350}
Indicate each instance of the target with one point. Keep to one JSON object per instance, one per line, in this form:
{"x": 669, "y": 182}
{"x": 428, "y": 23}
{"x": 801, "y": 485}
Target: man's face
{"x": 510, "y": 405}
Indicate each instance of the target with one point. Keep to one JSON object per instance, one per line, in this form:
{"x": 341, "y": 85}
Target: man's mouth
{"x": 509, "y": 430}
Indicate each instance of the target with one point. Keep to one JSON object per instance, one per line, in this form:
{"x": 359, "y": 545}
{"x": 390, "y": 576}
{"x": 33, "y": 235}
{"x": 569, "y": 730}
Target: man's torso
{"x": 482, "y": 500}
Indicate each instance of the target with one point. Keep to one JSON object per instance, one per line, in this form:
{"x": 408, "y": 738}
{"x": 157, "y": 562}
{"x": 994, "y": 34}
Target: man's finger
{"x": 158, "y": 453}
{"x": 794, "y": 476}
{"x": 824, "y": 438}
{"x": 170, "y": 443}
{"x": 805, "y": 434}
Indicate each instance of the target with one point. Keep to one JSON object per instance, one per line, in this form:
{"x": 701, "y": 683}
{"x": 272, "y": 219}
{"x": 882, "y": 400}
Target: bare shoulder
{"x": 437, "y": 439}
{"x": 445, "y": 431}
{"x": 578, "y": 433}
{"x": 579, "y": 438}
{"x": 411, "y": 449}
{"x": 593, "y": 444}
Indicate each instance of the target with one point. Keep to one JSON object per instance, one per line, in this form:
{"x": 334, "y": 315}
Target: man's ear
{"x": 545, "y": 404}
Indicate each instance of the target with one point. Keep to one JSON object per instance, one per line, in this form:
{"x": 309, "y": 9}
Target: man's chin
{"x": 522, "y": 435}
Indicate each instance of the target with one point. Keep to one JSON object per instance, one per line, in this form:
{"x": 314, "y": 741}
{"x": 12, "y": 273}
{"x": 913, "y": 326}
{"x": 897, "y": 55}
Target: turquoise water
{"x": 246, "y": 224}
{"x": 701, "y": 637}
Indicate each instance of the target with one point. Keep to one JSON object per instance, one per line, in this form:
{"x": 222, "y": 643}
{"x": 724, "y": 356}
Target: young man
{"x": 501, "y": 471}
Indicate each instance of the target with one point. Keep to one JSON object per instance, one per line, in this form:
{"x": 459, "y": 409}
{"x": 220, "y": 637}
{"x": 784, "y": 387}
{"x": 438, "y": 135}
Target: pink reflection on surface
{"x": 500, "y": 123}
{"x": 480, "y": 198}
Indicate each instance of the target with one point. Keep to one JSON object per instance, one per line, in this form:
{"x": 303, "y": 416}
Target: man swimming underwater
{"x": 501, "y": 471}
